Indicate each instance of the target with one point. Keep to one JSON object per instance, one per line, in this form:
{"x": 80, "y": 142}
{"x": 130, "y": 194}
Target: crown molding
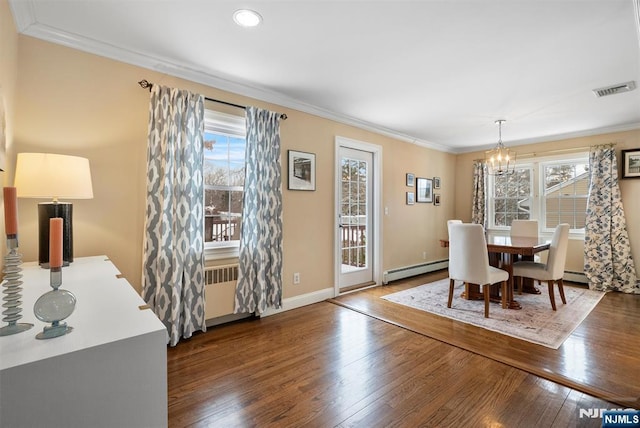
{"x": 25, "y": 17}
{"x": 24, "y": 14}
{"x": 27, "y": 23}
{"x": 555, "y": 137}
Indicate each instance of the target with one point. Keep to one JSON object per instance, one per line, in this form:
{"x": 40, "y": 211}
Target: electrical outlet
{"x": 296, "y": 278}
{"x": 424, "y": 255}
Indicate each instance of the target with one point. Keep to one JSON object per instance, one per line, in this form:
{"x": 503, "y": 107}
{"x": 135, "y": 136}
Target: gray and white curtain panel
{"x": 260, "y": 260}
{"x": 478, "y": 209}
{"x": 173, "y": 259}
{"x": 607, "y": 253}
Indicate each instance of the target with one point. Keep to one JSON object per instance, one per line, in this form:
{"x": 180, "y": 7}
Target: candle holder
{"x": 55, "y": 306}
{"x": 12, "y": 282}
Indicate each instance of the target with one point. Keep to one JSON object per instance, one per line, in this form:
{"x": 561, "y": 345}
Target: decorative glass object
{"x": 55, "y": 306}
{"x": 12, "y": 282}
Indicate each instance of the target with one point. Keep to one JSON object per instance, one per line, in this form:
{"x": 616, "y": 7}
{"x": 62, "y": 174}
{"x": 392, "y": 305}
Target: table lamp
{"x": 45, "y": 176}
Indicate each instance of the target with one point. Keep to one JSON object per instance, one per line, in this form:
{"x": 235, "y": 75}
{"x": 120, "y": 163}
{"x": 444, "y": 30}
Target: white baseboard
{"x": 302, "y": 300}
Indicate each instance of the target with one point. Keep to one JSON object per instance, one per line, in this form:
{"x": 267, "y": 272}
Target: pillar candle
{"x": 10, "y": 211}
{"x": 55, "y": 242}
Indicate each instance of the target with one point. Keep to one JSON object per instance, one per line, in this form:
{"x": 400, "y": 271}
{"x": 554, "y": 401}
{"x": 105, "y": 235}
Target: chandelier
{"x": 500, "y": 160}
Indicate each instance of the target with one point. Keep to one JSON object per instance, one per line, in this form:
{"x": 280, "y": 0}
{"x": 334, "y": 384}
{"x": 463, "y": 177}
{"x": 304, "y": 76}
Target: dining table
{"x": 503, "y": 251}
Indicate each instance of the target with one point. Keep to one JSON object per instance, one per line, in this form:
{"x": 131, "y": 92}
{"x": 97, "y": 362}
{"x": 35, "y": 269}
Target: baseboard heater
{"x": 575, "y": 277}
{"x": 407, "y": 271}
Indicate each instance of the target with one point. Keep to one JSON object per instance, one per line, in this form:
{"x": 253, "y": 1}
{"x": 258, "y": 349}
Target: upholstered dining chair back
{"x": 553, "y": 270}
{"x": 450, "y": 222}
{"x": 468, "y": 257}
{"x": 469, "y": 262}
{"x": 525, "y": 228}
{"x": 558, "y": 251}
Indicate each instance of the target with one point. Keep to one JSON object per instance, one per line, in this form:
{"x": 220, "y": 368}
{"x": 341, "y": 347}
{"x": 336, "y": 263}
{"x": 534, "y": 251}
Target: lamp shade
{"x": 46, "y": 175}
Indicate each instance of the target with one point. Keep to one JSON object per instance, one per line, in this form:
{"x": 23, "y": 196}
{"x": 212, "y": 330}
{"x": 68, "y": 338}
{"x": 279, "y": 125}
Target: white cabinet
{"x": 110, "y": 371}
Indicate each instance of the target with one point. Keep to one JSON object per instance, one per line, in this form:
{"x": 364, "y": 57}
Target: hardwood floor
{"x": 326, "y": 365}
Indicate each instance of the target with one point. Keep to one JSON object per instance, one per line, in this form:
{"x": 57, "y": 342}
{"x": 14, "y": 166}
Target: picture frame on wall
{"x": 436, "y": 182}
{"x": 411, "y": 178}
{"x": 631, "y": 163}
{"x": 436, "y": 199}
{"x": 411, "y": 199}
{"x": 302, "y": 170}
{"x": 424, "y": 190}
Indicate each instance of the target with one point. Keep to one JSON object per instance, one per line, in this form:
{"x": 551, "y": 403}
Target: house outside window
{"x": 224, "y": 167}
{"x": 550, "y": 190}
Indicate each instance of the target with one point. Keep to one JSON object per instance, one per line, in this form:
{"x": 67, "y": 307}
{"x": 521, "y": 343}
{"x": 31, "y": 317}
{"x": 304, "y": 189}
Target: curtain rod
{"x": 551, "y": 152}
{"x": 145, "y": 84}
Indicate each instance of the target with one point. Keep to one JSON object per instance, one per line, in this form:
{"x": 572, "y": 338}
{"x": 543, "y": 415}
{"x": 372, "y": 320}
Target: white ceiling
{"x": 437, "y": 73}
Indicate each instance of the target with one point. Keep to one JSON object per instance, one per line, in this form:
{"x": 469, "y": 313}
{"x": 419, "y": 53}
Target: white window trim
{"x": 537, "y": 194}
{"x": 233, "y": 126}
{"x": 490, "y": 211}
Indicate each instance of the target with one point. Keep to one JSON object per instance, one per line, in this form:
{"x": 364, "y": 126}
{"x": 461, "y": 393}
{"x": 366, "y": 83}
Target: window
{"x": 566, "y": 186}
{"x": 512, "y": 197}
{"x": 224, "y": 148}
{"x": 553, "y": 191}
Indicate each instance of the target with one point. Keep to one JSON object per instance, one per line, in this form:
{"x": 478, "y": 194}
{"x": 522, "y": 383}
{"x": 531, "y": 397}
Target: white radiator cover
{"x": 219, "y": 291}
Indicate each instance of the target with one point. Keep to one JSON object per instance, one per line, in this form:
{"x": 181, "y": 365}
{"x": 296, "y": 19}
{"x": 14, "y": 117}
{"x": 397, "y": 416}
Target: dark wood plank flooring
{"x": 599, "y": 358}
{"x": 325, "y": 365}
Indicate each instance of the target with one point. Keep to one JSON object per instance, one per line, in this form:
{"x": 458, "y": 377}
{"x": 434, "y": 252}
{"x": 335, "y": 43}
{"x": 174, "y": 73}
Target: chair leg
{"x": 561, "y": 289}
{"x": 486, "y": 289}
{"x": 503, "y": 293}
{"x": 520, "y": 284}
{"x": 451, "y": 283}
{"x": 551, "y": 296}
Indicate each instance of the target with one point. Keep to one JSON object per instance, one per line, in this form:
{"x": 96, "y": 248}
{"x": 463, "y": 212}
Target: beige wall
{"x": 8, "y": 74}
{"x": 70, "y": 102}
{"x": 75, "y": 103}
{"x": 630, "y": 188}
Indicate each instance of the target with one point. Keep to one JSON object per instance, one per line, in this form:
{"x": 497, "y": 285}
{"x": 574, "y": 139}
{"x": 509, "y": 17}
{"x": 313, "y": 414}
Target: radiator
{"x": 219, "y": 274}
{"x": 220, "y": 288}
{"x": 407, "y": 271}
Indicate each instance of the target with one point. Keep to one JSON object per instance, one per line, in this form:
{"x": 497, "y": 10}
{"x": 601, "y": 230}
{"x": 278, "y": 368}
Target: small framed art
{"x": 302, "y": 170}
{"x": 411, "y": 198}
{"x": 424, "y": 190}
{"x": 631, "y": 163}
{"x": 436, "y": 182}
{"x": 410, "y": 179}
{"x": 436, "y": 199}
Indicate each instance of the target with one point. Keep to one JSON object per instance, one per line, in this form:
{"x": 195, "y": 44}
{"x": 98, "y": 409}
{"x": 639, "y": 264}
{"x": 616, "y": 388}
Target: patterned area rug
{"x": 536, "y": 322}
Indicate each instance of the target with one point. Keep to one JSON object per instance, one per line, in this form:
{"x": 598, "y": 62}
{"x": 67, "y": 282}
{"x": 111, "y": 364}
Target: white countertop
{"x": 106, "y": 311}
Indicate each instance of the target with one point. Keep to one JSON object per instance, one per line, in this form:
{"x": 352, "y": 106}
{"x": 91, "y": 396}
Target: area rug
{"x": 536, "y": 322}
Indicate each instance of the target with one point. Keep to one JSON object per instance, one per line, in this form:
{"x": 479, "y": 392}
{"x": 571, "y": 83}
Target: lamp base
{"x": 46, "y": 211}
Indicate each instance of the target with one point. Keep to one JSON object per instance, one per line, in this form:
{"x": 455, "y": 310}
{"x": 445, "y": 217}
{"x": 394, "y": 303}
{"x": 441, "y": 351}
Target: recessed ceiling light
{"x": 247, "y": 18}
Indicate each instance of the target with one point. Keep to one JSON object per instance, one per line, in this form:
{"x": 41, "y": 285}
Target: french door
{"x": 357, "y": 203}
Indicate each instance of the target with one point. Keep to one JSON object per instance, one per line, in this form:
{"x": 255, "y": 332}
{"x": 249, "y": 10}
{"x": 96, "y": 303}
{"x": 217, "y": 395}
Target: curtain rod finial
{"x": 144, "y": 84}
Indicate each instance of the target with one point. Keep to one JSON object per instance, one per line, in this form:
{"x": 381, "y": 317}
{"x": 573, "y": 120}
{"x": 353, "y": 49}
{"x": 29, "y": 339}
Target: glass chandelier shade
{"x": 500, "y": 160}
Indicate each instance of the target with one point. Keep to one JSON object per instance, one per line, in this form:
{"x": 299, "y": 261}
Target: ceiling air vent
{"x": 615, "y": 89}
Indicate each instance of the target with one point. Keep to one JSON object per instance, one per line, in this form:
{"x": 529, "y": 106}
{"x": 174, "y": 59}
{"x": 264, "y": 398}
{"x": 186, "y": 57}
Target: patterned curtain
{"x": 260, "y": 265}
{"x": 173, "y": 260}
{"x": 479, "y": 209}
{"x": 608, "y": 263}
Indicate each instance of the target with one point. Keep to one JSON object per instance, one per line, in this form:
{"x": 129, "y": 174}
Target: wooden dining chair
{"x": 551, "y": 271}
{"x": 469, "y": 261}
